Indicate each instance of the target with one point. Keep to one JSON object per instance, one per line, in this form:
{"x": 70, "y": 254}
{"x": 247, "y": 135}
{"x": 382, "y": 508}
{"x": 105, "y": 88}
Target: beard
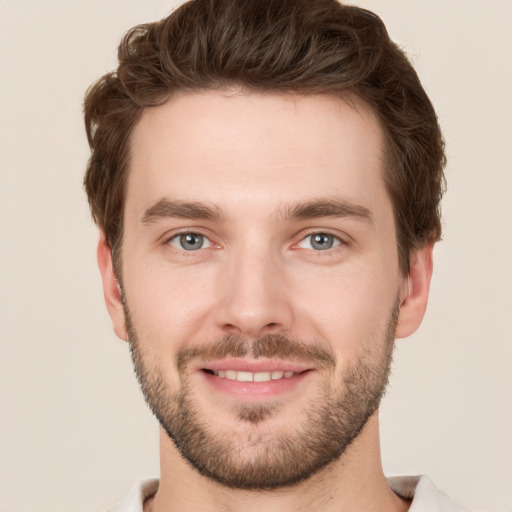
{"x": 259, "y": 458}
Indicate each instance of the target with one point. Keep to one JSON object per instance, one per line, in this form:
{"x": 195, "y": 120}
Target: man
{"x": 266, "y": 177}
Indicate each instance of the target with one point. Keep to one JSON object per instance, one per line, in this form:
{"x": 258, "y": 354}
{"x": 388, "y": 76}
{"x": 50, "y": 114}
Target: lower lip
{"x": 255, "y": 390}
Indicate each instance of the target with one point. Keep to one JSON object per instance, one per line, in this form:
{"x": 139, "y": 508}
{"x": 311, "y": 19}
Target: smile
{"x": 244, "y": 376}
{"x": 248, "y": 380}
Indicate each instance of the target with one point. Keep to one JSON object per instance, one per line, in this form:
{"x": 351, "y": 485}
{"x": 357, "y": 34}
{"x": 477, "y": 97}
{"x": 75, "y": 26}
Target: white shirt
{"x": 424, "y": 494}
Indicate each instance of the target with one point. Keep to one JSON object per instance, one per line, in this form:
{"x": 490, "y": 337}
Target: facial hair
{"x": 262, "y": 459}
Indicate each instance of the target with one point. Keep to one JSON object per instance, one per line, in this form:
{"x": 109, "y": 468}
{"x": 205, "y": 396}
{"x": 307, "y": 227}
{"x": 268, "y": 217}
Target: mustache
{"x": 272, "y": 346}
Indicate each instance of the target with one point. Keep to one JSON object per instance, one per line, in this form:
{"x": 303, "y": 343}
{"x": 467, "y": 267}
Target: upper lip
{"x": 254, "y": 365}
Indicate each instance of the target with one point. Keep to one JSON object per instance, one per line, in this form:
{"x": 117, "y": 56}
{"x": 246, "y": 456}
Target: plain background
{"x": 75, "y": 433}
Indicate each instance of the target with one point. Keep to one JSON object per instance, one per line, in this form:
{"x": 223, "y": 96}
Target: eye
{"x": 319, "y": 242}
{"x": 189, "y": 241}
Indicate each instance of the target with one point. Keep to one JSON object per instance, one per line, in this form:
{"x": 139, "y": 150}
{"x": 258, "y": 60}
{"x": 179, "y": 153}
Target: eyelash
{"x": 178, "y": 237}
{"x": 336, "y": 242}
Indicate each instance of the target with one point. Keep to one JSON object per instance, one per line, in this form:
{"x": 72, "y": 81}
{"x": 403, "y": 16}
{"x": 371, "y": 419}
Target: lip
{"x": 254, "y": 391}
{"x": 253, "y": 365}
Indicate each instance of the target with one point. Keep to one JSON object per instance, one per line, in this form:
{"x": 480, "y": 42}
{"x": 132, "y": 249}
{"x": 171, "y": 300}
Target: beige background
{"x": 75, "y": 434}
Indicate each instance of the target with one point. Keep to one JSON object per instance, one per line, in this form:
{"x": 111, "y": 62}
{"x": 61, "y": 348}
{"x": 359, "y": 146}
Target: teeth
{"x": 261, "y": 377}
{"x": 229, "y": 374}
{"x": 252, "y": 377}
{"x": 245, "y": 376}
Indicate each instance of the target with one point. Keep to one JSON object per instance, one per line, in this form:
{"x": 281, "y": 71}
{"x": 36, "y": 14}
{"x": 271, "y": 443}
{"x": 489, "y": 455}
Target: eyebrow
{"x": 325, "y": 208}
{"x": 316, "y": 208}
{"x": 164, "y": 208}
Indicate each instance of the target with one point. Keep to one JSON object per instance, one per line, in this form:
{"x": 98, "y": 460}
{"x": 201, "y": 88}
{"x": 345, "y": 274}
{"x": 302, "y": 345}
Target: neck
{"x": 353, "y": 483}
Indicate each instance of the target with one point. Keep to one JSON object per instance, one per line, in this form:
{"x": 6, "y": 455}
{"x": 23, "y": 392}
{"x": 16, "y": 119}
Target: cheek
{"x": 346, "y": 307}
{"x": 167, "y": 305}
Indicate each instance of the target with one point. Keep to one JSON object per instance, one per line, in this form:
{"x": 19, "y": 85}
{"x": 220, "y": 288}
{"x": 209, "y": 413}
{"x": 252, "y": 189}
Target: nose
{"x": 254, "y": 299}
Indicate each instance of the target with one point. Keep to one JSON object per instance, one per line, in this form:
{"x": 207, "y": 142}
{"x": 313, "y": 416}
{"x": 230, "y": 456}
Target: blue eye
{"x": 190, "y": 241}
{"x": 319, "y": 242}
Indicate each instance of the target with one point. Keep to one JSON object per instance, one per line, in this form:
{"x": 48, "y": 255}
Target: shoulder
{"x": 426, "y": 497}
{"x": 134, "y": 500}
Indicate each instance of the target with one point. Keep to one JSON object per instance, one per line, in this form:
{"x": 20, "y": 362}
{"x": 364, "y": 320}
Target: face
{"x": 261, "y": 290}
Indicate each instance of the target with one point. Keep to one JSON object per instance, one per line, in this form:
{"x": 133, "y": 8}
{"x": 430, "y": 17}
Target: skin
{"x": 251, "y": 158}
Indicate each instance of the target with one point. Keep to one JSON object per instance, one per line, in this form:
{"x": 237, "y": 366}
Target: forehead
{"x": 243, "y": 149}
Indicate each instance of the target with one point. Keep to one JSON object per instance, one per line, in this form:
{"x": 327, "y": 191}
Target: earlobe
{"x": 415, "y": 291}
{"x": 111, "y": 288}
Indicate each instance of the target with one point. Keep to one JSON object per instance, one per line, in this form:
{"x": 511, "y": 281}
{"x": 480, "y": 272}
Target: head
{"x": 273, "y": 46}
{"x": 267, "y": 176}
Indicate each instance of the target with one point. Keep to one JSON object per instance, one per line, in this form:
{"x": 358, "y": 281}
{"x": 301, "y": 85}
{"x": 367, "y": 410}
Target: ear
{"x": 415, "y": 290}
{"x": 111, "y": 288}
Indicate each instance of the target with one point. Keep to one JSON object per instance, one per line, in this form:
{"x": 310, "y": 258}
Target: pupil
{"x": 191, "y": 241}
{"x": 322, "y": 241}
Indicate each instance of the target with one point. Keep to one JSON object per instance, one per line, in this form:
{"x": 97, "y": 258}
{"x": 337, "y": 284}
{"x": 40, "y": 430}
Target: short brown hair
{"x": 275, "y": 46}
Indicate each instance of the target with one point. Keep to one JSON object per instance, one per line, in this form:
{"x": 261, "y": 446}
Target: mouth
{"x": 250, "y": 380}
{"x": 245, "y": 376}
